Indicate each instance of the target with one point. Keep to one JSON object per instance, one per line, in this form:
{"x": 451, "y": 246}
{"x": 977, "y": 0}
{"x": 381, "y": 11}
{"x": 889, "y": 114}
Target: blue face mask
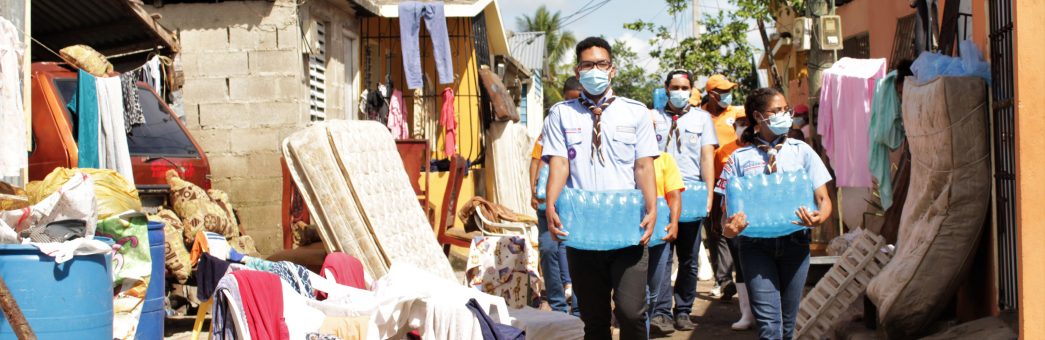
{"x": 679, "y": 99}
{"x": 595, "y": 81}
{"x": 780, "y": 123}
{"x": 725, "y": 100}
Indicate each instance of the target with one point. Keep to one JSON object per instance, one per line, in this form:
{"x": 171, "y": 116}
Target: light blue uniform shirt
{"x": 793, "y": 156}
{"x": 661, "y": 125}
{"x": 627, "y": 135}
{"x": 695, "y": 130}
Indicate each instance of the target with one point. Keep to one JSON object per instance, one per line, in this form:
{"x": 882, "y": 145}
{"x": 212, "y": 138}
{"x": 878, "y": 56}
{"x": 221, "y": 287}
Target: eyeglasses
{"x": 588, "y": 65}
{"x": 786, "y": 111}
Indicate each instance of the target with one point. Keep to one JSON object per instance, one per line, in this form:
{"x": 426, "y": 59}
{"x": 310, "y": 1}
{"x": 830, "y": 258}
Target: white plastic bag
{"x": 75, "y": 200}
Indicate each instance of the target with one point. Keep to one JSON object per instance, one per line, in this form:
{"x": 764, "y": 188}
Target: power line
{"x": 593, "y": 9}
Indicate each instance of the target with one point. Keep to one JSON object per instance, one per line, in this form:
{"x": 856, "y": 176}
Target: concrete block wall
{"x": 244, "y": 93}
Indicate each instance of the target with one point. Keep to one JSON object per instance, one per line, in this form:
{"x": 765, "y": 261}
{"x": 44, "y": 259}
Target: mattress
{"x": 370, "y": 162}
{"x": 946, "y": 205}
{"x": 311, "y": 161}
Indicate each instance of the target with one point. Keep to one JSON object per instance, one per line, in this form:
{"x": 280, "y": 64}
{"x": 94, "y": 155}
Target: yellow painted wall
{"x": 1030, "y": 154}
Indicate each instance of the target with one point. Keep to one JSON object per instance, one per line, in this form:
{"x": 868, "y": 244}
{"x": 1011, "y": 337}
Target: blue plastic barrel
{"x": 150, "y": 325}
{"x": 72, "y": 300}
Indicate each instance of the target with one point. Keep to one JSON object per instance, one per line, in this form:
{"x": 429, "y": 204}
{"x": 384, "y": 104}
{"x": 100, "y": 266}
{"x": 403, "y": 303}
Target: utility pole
{"x": 696, "y": 19}
{"x": 818, "y": 61}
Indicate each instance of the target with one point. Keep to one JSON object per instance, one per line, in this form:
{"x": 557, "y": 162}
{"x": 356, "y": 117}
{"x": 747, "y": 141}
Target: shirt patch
{"x": 730, "y": 121}
{"x": 627, "y": 129}
{"x": 572, "y": 130}
{"x": 659, "y": 137}
{"x": 753, "y": 167}
{"x": 572, "y": 153}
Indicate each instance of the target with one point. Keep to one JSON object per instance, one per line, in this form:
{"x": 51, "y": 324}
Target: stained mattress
{"x": 355, "y": 181}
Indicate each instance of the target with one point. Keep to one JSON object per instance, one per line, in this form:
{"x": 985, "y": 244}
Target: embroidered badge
{"x": 572, "y": 153}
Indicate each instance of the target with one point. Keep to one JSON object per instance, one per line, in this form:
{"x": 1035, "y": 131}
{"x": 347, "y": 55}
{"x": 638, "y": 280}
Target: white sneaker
{"x": 716, "y": 292}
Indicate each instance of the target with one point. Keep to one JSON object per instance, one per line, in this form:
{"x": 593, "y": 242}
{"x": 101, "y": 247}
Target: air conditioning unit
{"x": 830, "y": 32}
{"x": 802, "y": 33}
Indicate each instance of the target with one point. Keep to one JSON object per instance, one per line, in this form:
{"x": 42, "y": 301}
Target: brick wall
{"x": 244, "y": 93}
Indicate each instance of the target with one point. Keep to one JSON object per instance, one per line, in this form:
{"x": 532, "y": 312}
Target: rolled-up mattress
{"x": 943, "y": 216}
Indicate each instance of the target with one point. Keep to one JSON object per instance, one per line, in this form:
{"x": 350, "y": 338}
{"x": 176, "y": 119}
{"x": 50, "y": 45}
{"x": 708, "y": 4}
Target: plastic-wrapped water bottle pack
{"x": 542, "y": 186}
{"x": 606, "y": 220}
{"x": 694, "y": 202}
{"x": 770, "y": 202}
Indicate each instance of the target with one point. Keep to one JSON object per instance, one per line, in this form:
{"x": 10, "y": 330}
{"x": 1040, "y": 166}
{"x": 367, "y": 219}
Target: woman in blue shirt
{"x": 775, "y": 268}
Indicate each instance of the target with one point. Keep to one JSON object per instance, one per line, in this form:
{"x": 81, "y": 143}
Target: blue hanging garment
{"x": 694, "y": 202}
{"x": 770, "y": 202}
{"x": 85, "y": 105}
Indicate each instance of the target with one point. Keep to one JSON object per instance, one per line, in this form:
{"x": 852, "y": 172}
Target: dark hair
{"x": 757, "y": 100}
{"x": 672, "y": 74}
{"x": 590, "y": 42}
{"x": 571, "y": 83}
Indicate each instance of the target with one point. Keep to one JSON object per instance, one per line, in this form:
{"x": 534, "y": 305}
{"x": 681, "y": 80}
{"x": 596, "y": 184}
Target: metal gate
{"x": 1003, "y": 94}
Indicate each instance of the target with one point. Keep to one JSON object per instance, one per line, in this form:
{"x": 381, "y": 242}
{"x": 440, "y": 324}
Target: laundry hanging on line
{"x": 410, "y": 15}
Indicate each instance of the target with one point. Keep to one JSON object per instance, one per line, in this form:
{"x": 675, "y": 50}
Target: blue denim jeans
{"x": 410, "y": 15}
{"x": 775, "y": 270}
{"x": 659, "y": 280}
{"x": 555, "y": 269}
{"x": 687, "y": 248}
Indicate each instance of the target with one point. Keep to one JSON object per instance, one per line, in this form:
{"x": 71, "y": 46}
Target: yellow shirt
{"x": 668, "y": 176}
{"x": 537, "y": 150}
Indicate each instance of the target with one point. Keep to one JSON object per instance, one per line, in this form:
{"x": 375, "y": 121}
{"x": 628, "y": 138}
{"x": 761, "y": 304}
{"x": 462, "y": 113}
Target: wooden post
{"x": 14, "y": 314}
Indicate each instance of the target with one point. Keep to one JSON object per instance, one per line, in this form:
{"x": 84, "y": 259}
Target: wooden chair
{"x": 446, "y": 234}
{"x": 416, "y": 159}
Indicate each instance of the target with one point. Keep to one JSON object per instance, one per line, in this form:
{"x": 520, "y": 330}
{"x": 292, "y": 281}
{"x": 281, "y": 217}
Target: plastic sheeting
{"x": 606, "y": 220}
{"x": 946, "y": 206}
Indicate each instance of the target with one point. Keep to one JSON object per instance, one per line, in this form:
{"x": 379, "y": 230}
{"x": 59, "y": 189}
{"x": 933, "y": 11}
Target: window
{"x": 161, "y": 135}
{"x": 351, "y": 82}
{"x": 523, "y": 95}
{"x": 317, "y": 75}
{"x": 857, "y": 46}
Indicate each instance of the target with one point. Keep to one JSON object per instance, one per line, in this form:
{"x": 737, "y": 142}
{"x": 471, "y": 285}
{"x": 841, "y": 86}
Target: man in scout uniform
{"x": 601, "y": 142}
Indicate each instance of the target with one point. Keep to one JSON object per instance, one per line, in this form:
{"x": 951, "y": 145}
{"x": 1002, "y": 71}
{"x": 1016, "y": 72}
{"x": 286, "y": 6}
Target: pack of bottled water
{"x": 770, "y": 202}
{"x": 542, "y": 186}
{"x": 694, "y": 202}
{"x": 606, "y": 220}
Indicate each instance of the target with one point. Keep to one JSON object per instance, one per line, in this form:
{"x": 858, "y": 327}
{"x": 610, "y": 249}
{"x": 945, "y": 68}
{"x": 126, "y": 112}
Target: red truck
{"x": 161, "y": 144}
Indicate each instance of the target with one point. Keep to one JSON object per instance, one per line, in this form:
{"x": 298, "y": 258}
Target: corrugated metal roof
{"x": 109, "y": 26}
{"x": 528, "y": 48}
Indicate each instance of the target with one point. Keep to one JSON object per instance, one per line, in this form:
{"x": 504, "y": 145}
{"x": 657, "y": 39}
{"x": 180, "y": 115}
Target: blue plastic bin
{"x": 150, "y": 325}
{"x": 72, "y": 300}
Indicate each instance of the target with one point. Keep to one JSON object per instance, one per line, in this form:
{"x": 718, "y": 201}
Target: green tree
{"x": 558, "y": 42}
{"x": 631, "y": 81}
{"x": 721, "y": 48}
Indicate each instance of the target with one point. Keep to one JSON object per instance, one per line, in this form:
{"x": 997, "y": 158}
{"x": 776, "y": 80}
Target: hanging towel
{"x": 845, "y": 115}
{"x": 886, "y": 134}
{"x": 397, "y": 116}
{"x": 209, "y": 272}
{"x": 12, "y": 117}
{"x": 85, "y": 105}
{"x": 262, "y": 296}
{"x": 410, "y": 15}
{"x": 113, "y": 151}
{"x": 449, "y": 121}
{"x": 132, "y": 106}
{"x": 491, "y": 329}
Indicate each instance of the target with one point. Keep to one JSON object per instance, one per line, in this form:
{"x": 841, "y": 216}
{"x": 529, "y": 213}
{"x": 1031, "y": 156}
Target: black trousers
{"x": 722, "y": 249}
{"x": 620, "y": 275}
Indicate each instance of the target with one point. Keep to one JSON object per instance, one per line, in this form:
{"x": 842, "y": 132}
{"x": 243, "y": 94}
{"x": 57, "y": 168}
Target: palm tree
{"x": 557, "y": 43}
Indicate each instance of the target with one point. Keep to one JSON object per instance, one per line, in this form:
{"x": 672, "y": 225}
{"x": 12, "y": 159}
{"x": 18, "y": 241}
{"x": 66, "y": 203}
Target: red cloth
{"x": 262, "y": 296}
{"x": 449, "y": 121}
{"x": 345, "y": 269}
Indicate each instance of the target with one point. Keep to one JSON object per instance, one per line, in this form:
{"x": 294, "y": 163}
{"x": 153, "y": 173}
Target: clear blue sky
{"x": 608, "y": 20}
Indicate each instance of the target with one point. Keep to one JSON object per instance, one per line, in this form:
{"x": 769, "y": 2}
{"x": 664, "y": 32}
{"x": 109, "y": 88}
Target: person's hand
{"x": 735, "y": 225}
{"x": 711, "y": 202}
{"x": 534, "y": 201}
{"x": 554, "y": 225}
{"x": 648, "y": 223}
{"x": 673, "y": 232}
{"x": 809, "y": 218}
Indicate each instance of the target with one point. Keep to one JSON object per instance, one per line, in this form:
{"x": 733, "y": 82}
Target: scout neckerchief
{"x": 674, "y": 125}
{"x": 596, "y": 132}
{"x": 772, "y": 149}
